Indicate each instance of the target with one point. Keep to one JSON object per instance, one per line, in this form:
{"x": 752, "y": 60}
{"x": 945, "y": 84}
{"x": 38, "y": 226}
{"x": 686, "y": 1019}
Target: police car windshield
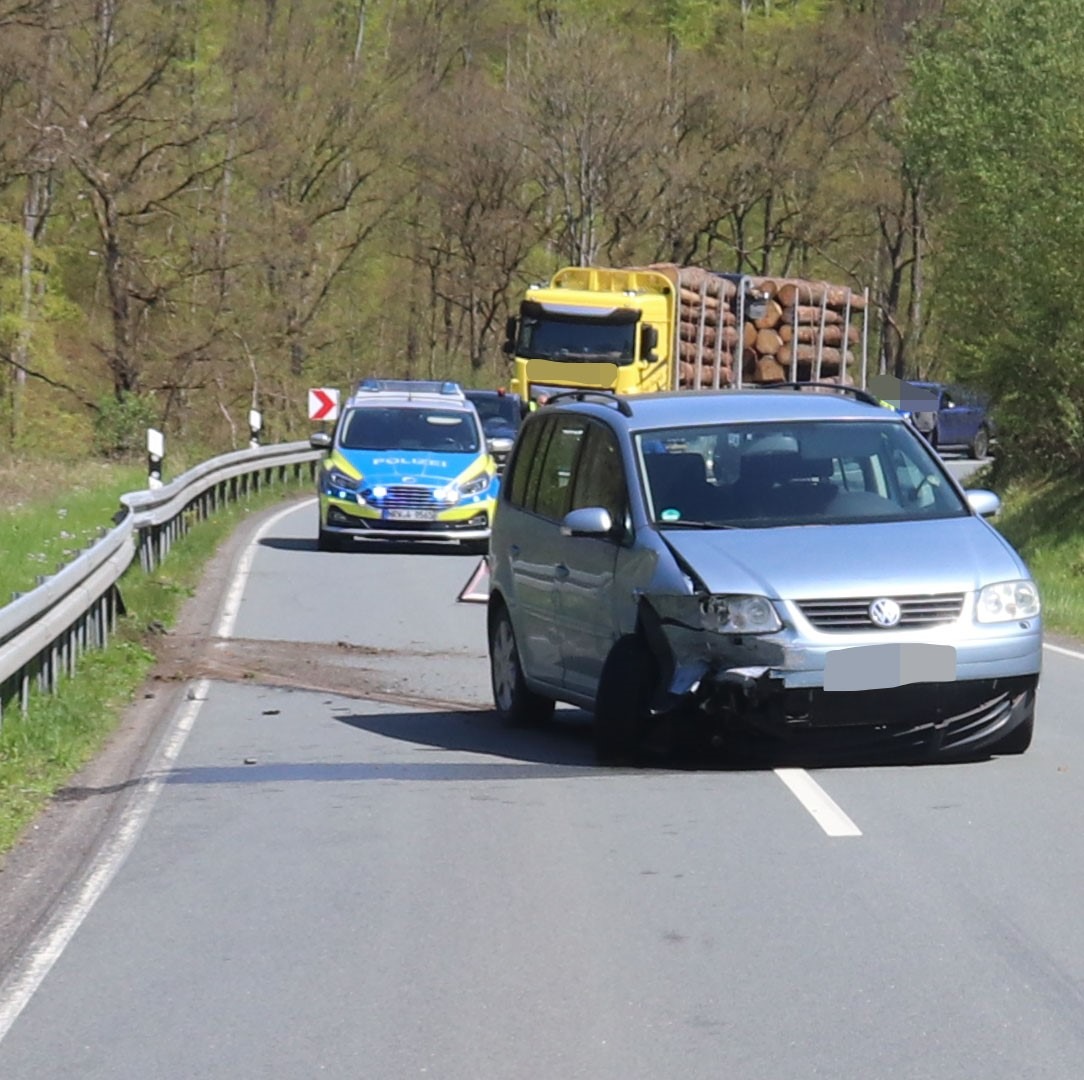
{"x": 441, "y": 430}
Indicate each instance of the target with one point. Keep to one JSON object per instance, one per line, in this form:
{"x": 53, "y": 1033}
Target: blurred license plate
{"x": 410, "y": 515}
{"x": 881, "y": 667}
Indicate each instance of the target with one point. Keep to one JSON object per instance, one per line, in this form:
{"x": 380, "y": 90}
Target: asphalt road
{"x": 338, "y": 864}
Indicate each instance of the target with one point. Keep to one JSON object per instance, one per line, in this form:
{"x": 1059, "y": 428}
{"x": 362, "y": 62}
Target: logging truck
{"x": 668, "y": 327}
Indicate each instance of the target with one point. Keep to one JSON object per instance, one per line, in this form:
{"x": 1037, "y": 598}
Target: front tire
{"x": 326, "y": 541}
{"x": 622, "y": 706}
{"x": 980, "y": 444}
{"x": 515, "y": 702}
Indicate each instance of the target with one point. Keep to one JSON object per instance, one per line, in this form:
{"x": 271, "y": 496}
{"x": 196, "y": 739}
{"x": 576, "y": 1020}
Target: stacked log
{"x": 807, "y": 330}
{"x": 708, "y": 334}
{"x": 791, "y": 329}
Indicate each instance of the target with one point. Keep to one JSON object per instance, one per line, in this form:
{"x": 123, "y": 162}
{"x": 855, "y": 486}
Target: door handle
{"x": 513, "y": 549}
{"x": 561, "y": 572}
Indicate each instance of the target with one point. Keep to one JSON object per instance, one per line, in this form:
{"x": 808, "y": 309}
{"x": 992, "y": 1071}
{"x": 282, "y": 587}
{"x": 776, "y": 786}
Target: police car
{"x": 408, "y": 461}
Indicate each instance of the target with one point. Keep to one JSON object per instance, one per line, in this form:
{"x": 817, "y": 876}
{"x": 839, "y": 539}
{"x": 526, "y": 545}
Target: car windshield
{"x": 576, "y": 340}
{"x": 812, "y": 472}
{"x": 498, "y": 412}
{"x": 442, "y": 430}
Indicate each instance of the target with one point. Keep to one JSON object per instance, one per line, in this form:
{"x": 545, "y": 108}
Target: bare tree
{"x": 587, "y": 130}
{"x": 479, "y": 216}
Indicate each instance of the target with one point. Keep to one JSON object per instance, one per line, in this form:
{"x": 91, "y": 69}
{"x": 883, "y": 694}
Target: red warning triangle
{"x": 476, "y": 591}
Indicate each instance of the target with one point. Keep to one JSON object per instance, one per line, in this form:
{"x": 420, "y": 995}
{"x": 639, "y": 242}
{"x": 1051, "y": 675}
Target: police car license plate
{"x": 410, "y": 515}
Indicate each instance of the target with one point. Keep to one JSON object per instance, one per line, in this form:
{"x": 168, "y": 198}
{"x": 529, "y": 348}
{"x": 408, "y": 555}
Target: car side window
{"x": 520, "y": 465}
{"x": 554, "y": 489}
{"x": 600, "y": 476}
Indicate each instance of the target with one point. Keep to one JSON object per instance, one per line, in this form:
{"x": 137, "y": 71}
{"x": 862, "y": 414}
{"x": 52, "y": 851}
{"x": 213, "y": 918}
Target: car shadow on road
{"x": 565, "y": 745}
{"x": 370, "y": 547}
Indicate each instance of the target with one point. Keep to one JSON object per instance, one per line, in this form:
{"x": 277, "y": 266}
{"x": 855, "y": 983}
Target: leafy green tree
{"x": 997, "y": 119}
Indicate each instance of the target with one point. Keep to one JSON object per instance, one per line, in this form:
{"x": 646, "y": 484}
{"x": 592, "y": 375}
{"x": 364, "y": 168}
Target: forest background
{"x": 208, "y": 206}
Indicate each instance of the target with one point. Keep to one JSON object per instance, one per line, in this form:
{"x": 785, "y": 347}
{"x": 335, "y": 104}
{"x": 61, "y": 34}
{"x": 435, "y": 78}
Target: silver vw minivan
{"x": 796, "y": 567}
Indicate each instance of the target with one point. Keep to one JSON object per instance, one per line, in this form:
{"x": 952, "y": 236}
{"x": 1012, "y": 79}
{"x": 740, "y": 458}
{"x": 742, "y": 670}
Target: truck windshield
{"x": 576, "y": 340}
{"x": 410, "y": 429}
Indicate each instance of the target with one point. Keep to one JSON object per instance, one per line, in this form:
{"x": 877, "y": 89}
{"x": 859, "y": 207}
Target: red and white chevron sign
{"x": 323, "y": 404}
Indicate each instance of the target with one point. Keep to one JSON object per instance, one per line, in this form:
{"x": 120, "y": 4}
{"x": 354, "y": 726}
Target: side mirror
{"x": 984, "y": 503}
{"x": 499, "y": 445}
{"x": 588, "y": 521}
{"x": 320, "y": 440}
{"x": 649, "y": 339}
{"x": 511, "y": 331}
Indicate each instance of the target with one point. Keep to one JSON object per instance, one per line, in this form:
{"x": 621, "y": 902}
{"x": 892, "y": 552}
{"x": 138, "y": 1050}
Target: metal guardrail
{"x": 45, "y": 631}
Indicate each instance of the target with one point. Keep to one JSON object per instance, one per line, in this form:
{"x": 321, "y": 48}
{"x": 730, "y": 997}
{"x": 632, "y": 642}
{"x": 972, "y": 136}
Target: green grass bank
{"x": 41, "y": 749}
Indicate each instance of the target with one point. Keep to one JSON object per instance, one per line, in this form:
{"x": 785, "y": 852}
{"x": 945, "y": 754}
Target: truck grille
{"x": 853, "y": 614}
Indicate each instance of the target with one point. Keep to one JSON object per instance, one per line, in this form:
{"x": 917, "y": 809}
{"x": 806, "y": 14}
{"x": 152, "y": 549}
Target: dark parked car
{"x": 959, "y": 420}
{"x": 500, "y": 413}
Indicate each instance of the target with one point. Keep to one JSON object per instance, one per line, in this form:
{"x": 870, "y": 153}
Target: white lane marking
{"x": 826, "y": 812}
{"x": 1064, "y": 652}
{"x": 18, "y": 991}
{"x": 231, "y": 606}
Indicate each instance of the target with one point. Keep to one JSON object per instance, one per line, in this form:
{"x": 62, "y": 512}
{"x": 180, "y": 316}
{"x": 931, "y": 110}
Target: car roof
{"x": 409, "y": 393}
{"x": 642, "y": 412}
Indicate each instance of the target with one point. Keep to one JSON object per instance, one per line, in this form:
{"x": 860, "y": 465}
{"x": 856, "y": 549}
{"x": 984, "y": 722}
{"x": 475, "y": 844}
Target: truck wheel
{"x": 622, "y": 717}
{"x": 515, "y": 702}
{"x": 980, "y": 444}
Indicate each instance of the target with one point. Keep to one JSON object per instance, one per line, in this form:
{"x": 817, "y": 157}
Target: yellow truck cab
{"x": 638, "y": 330}
{"x": 595, "y": 327}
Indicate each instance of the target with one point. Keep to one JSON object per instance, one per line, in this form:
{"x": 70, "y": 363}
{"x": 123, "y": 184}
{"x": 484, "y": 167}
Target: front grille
{"x": 408, "y": 496}
{"x": 853, "y": 614}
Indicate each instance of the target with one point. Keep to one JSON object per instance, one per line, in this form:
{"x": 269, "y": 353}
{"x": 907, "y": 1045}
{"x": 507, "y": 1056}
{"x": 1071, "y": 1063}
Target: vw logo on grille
{"x": 884, "y": 612}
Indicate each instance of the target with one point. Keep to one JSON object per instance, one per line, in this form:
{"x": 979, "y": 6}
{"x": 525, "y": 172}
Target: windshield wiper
{"x": 685, "y": 524}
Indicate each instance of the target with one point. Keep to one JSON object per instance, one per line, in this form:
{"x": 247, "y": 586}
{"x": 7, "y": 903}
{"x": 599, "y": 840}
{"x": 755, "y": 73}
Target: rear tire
{"x": 622, "y": 707}
{"x": 515, "y": 702}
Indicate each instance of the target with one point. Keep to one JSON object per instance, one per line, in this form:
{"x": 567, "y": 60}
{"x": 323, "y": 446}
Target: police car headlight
{"x": 739, "y": 615}
{"x": 1006, "y": 601}
{"x": 475, "y": 486}
{"x": 338, "y": 483}
{"x": 447, "y": 494}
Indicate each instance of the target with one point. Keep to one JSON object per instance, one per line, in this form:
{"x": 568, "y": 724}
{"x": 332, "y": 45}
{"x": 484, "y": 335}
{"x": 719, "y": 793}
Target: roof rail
{"x": 607, "y": 397}
{"x": 858, "y": 394}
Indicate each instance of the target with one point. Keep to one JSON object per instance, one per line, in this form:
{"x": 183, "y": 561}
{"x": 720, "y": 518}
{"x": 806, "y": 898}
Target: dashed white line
{"x": 22, "y": 986}
{"x": 823, "y": 808}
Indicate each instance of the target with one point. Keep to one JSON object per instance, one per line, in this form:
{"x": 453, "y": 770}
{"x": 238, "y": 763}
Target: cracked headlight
{"x": 1006, "y": 601}
{"x": 739, "y": 615}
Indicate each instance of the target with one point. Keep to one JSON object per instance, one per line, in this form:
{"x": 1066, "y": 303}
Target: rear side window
{"x": 519, "y": 467}
{"x": 554, "y": 490}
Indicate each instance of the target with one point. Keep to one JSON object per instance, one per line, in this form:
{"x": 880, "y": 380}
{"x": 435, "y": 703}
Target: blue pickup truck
{"x": 956, "y": 419}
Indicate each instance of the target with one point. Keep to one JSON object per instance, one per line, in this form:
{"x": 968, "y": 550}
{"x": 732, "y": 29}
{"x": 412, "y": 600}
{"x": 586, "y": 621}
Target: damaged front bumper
{"x": 956, "y": 694}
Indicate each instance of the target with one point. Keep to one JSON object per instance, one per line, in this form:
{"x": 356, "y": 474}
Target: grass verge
{"x": 41, "y": 750}
{"x": 42, "y": 531}
{"x": 1043, "y": 522}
